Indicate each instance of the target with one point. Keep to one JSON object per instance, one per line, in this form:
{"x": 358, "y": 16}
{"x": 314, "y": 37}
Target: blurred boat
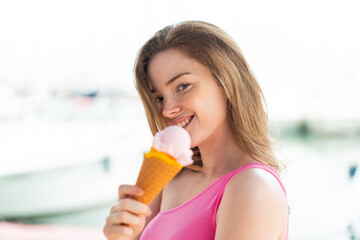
{"x": 58, "y": 191}
{"x": 76, "y": 173}
{"x": 67, "y": 169}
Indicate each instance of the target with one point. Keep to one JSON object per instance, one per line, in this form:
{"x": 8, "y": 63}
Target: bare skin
{"x": 253, "y": 206}
{"x": 127, "y": 217}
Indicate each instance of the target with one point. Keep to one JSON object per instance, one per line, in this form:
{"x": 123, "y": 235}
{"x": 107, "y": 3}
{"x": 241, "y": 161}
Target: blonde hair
{"x": 215, "y": 49}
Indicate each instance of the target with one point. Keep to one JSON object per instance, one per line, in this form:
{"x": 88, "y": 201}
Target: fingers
{"x": 117, "y": 231}
{"x": 127, "y": 218}
{"x": 128, "y": 190}
{"x": 131, "y": 205}
{"x": 123, "y": 218}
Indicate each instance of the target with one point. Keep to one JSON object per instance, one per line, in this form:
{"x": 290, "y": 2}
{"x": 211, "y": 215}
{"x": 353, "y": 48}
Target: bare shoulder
{"x": 257, "y": 188}
{"x": 254, "y": 202}
{"x": 256, "y": 182}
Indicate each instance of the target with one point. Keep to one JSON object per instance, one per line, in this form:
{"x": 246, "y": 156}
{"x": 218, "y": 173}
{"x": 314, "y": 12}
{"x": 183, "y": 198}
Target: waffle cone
{"x": 156, "y": 171}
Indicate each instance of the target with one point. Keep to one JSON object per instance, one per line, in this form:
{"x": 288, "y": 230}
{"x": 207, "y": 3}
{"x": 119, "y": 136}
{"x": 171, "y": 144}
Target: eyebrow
{"x": 171, "y": 80}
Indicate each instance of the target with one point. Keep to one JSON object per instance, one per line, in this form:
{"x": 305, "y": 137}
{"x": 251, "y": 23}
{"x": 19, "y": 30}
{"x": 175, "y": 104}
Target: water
{"x": 322, "y": 197}
{"x": 324, "y": 200}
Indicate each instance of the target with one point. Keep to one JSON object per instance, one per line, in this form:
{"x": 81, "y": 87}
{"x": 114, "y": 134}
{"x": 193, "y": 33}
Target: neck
{"x": 221, "y": 155}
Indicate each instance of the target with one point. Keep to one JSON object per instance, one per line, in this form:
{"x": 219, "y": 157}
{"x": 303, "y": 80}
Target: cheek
{"x": 209, "y": 104}
{"x": 216, "y": 105}
{"x": 193, "y": 100}
{"x": 211, "y": 111}
{"x": 217, "y": 112}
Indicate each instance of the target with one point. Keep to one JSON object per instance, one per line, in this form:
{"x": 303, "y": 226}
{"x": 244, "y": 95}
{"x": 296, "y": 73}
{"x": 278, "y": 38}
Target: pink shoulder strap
{"x": 264, "y": 167}
{"x": 261, "y": 166}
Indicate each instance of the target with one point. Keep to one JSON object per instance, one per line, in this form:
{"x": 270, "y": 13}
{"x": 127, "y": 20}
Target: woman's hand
{"x": 127, "y": 218}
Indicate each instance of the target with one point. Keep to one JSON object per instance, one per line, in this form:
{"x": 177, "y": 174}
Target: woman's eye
{"x": 159, "y": 99}
{"x": 183, "y": 86}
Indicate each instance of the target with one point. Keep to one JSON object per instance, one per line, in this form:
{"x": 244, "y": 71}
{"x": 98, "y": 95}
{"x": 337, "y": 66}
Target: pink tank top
{"x": 196, "y": 218}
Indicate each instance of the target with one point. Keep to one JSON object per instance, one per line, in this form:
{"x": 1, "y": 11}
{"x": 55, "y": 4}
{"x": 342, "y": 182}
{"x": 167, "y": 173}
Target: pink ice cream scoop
{"x": 176, "y": 142}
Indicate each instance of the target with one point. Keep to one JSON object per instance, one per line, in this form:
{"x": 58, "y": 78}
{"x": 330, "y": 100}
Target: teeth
{"x": 183, "y": 123}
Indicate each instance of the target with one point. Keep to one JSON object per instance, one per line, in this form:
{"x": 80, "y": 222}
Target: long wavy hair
{"x": 215, "y": 49}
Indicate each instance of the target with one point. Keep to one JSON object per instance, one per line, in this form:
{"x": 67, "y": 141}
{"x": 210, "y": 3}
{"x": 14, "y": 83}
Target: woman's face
{"x": 187, "y": 95}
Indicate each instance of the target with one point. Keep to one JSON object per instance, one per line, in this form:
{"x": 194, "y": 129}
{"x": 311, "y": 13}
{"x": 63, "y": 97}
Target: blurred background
{"x": 72, "y": 127}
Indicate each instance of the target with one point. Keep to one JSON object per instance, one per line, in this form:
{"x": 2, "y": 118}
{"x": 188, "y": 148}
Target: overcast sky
{"x": 305, "y": 54}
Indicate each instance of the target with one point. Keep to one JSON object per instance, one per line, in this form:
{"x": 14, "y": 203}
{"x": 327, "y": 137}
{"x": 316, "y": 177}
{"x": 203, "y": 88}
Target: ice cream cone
{"x": 157, "y": 169}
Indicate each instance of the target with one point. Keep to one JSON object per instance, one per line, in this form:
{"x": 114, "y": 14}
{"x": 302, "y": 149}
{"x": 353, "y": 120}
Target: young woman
{"x": 195, "y": 75}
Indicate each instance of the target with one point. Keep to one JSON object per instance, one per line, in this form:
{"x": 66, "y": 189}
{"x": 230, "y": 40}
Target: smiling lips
{"x": 184, "y": 122}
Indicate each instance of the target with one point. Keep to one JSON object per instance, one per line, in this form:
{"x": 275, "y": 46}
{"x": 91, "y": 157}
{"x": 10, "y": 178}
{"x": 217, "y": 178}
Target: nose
{"x": 170, "y": 108}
